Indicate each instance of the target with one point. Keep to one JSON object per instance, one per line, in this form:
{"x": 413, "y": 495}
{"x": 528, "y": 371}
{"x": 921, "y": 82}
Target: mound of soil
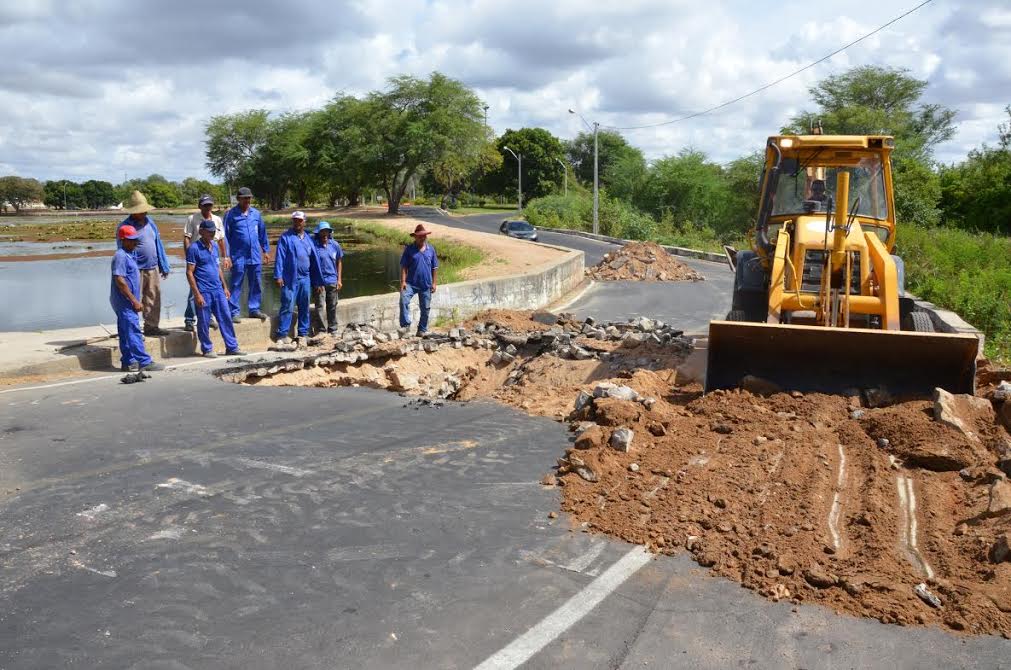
{"x": 642, "y": 261}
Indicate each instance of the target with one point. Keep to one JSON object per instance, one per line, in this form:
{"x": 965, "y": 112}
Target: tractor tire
{"x": 737, "y": 315}
{"x": 919, "y": 322}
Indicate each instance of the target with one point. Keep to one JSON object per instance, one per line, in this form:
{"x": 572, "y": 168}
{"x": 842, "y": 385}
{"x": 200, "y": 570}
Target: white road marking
{"x": 836, "y": 511}
{"x": 264, "y": 465}
{"x": 580, "y": 563}
{"x": 520, "y": 650}
{"x": 119, "y": 376}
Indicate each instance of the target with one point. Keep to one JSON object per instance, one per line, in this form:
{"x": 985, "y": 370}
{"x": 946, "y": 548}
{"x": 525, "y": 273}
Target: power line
{"x": 778, "y": 81}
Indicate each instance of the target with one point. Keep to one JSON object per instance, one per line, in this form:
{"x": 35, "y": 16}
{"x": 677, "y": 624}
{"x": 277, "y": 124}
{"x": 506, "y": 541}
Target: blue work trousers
{"x": 243, "y": 269}
{"x": 297, "y": 296}
{"x": 131, "y": 338}
{"x": 190, "y": 315}
{"x": 215, "y": 303}
{"x": 424, "y": 302}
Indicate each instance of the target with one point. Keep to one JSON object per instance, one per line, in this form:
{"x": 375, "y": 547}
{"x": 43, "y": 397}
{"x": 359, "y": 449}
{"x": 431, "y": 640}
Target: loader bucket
{"x": 834, "y": 360}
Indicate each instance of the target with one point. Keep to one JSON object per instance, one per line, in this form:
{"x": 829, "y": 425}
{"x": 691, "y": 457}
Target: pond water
{"x": 41, "y": 295}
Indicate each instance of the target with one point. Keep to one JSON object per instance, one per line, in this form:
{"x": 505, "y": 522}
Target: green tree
{"x": 337, "y": 143}
{"x": 459, "y": 170}
{"x": 98, "y": 194}
{"x": 63, "y": 194}
{"x": 20, "y": 191}
{"x": 871, "y": 100}
{"x": 413, "y": 125}
{"x": 233, "y": 140}
{"x": 976, "y": 194}
{"x": 688, "y": 191}
{"x": 192, "y": 188}
{"x": 612, "y": 151}
{"x": 541, "y": 152}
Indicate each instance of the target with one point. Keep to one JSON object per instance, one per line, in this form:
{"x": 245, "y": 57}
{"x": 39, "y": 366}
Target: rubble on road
{"x": 642, "y": 261}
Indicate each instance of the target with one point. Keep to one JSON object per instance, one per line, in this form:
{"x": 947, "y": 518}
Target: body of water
{"x": 42, "y": 295}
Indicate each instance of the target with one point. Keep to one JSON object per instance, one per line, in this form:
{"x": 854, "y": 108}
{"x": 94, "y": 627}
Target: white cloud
{"x": 96, "y": 89}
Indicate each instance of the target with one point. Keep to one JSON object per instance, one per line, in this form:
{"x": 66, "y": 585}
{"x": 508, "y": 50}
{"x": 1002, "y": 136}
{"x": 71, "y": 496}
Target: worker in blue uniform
{"x": 331, "y": 264}
{"x": 295, "y": 269}
{"x": 419, "y": 267}
{"x": 249, "y": 249}
{"x": 207, "y": 283}
{"x": 123, "y": 292}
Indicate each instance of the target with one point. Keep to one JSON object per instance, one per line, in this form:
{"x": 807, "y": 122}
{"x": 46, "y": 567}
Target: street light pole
{"x": 596, "y": 180}
{"x": 519, "y": 178}
{"x": 565, "y": 176}
{"x": 486, "y": 116}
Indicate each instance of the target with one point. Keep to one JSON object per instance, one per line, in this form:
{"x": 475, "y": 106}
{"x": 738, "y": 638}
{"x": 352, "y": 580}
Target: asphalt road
{"x": 189, "y": 523}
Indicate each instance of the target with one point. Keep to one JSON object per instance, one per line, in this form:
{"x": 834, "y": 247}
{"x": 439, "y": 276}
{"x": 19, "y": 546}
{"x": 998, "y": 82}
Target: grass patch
{"x": 454, "y": 258}
{"x": 487, "y": 209}
{"x": 46, "y": 232}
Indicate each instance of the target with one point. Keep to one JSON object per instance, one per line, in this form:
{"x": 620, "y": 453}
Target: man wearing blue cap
{"x": 191, "y": 233}
{"x": 331, "y": 262}
{"x": 123, "y": 294}
{"x": 248, "y": 246}
{"x": 207, "y": 283}
{"x": 295, "y": 269}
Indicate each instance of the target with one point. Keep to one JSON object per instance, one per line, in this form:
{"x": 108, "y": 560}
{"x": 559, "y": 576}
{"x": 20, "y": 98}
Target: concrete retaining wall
{"x": 677, "y": 251}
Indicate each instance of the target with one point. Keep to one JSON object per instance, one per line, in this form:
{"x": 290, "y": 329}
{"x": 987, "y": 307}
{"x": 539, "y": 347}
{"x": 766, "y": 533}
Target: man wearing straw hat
{"x": 418, "y": 268}
{"x": 151, "y": 259}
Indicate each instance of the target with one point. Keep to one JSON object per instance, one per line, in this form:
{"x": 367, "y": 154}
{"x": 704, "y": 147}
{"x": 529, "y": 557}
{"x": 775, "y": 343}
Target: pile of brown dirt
{"x": 642, "y": 261}
{"x": 808, "y": 498}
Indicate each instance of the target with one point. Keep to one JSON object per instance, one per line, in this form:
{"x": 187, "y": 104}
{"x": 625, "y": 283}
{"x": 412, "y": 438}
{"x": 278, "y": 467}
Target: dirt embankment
{"x": 899, "y": 512}
{"x": 642, "y": 261}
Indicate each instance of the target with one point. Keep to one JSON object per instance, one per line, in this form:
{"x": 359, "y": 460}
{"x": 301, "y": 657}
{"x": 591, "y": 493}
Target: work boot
{"x": 299, "y": 341}
{"x": 283, "y": 340}
{"x": 188, "y": 328}
{"x": 153, "y": 367}
{"x": 214, "y": 325}
{"x": 210, "y": 354}
{"x": 236, "y": 318}
{"x": 258, "y": 315}
{"x": 235, "y": 352}
{"x": 132, "y": 367}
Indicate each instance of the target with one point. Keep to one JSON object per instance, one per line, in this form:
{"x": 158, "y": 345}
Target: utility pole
{"x": 596, "y": 180}
{"x": 64, "y": 195}
{"x": 565, "y": 177}
{"x": 519, "y": 178}
{"x": 486, "y": 116}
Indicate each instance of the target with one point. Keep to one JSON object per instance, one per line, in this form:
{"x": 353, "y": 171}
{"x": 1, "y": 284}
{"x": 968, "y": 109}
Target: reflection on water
{"x": 75, "y": 292}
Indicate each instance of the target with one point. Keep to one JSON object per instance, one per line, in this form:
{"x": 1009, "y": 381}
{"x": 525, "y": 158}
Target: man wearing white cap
{"x": 296, "y": 268}
{"x": 191, "y": 233}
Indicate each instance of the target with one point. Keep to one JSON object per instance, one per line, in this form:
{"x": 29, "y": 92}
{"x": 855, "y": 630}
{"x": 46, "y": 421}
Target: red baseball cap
{"x": 127, "y": 232}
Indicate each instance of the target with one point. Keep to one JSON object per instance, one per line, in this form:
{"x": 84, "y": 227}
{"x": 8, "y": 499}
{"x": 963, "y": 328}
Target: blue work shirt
{"x": 419, "y": 263}
{"x": 124, "y": 265}
{"x": 150, "y": 252}
{"x": 246, "y": 235}
{"x": 328, "y": 255}
{"x": 296, "y": 259}
{"x": 205, "y": 266}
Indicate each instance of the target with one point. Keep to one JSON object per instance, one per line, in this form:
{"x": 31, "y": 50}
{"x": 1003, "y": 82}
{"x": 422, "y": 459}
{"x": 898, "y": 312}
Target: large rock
{"x": 960, "y": 411}
{"x": 1000, "y": 498}
{"x": 401, "y": 381}
{"x": 621, "y": 440}
{"x": 545, "y": 317}
{"x": 591, "y": 438}
{"x": 1005, "y": 415}
{"x": 582, "y": 400}
{"x": 819, "y": 578}
{"x": 1001, "y": 549}
{"x": 609, "y": 390}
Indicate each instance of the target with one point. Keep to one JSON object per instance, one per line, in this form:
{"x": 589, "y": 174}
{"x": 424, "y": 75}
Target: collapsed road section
{"x": 894, "y": 509}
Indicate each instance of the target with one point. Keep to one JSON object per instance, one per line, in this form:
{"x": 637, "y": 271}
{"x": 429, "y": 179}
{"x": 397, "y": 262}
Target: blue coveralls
{"x": 204, "y": 260}
{"x": 246, "y": 235}
{"x": 131, "y": 339}
{"x": 419, "y": 263}
{"x": 295, "y": 262}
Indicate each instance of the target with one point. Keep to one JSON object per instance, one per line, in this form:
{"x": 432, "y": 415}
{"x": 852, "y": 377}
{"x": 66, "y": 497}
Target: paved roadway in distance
{"x": 189, "y": 523}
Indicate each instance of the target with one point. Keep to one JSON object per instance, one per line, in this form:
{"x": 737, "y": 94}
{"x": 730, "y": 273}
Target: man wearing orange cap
{"x": 418, "y": 268}
{"x": 123, "y": 297}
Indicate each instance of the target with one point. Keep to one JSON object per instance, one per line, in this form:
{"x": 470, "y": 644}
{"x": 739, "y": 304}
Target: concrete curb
{"x": 677, "y": 251}
{"x": 529, "y": 290}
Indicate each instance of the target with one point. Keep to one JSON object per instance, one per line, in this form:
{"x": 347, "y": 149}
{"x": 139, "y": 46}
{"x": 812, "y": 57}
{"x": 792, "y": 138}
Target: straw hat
{"x": 137, "y": 204}
{"x": 421, "y": 231}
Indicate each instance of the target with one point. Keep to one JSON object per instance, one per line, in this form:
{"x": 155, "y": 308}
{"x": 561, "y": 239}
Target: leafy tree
{"x": 541, "y": 152}
{"x": 743, "y": 180}
{"x": 415, "y": 124}
{"x": 337, "y": 143}
{"x": 233, "y": 141}
{"x": 877, "y": 100}
{"x": 281, "y": 163}
{"x": 192, "y": 188}
{"x": 688, "y": 191}
{"x": 98, "y": 194}
{"x": 976, "y": 194}
{"x": 20, "y": 191}
{"x": 612, "y": 150}
{"x": 460, "y": 170}
{"x": 63, "y": 193}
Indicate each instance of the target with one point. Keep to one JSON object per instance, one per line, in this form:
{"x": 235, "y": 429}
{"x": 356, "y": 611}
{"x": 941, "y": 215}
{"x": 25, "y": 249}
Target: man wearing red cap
{"x": 123, "y": 297}
{"x": 418, "y": 268}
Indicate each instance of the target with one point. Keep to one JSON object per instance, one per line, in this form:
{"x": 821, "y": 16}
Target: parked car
{"x": 518, "y": 229}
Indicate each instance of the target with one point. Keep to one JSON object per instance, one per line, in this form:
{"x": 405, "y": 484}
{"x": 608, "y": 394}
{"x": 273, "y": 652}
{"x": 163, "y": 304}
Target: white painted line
{"x": 119, "y": 376}
{"x": 520, "y": 650}
{"x": 264, "y": 465}
{"x": 836, "y": 511}
{"x": 580, "y": 563}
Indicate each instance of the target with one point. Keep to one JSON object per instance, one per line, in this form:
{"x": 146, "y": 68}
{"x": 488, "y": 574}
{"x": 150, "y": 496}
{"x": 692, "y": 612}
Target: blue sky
{"x": 107, "y": 88}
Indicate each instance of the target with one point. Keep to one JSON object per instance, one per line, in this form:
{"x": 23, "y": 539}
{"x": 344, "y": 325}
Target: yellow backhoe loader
{"x": 819, "y": 302}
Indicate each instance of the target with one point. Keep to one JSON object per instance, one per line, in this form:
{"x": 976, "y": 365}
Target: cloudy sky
{"x": 108, "y": 88}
